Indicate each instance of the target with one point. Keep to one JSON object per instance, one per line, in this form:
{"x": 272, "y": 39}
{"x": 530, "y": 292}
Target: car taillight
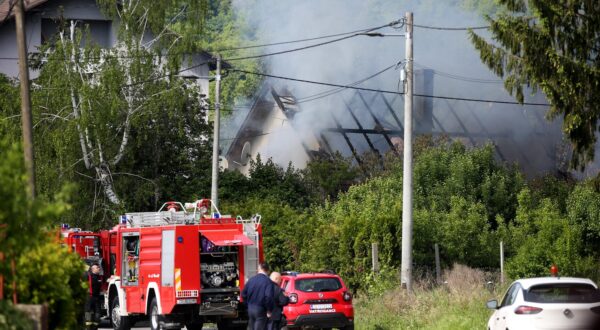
{"x": 293, "y": 298}
{"x": 347, "y": 296}
{"x": 527, "y": 310}
{"x": 596, "y": 309}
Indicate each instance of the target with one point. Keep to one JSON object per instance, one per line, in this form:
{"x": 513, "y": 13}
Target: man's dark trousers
{"x": 274, "y": 325}
{"x": 257, "y": 317}
{"x": 92, "y": 311}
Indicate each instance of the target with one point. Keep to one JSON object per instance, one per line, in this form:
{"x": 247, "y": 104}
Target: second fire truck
{"x": 179, "y": 266}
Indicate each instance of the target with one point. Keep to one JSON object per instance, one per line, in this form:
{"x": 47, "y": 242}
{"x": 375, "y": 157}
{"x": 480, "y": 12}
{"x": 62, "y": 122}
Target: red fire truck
{"x": 179, "y": 266}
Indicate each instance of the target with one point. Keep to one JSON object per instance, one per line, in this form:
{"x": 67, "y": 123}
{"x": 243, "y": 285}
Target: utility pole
{"x": 407, "y": 221}
{"x": 214, "y": 192}
{"x": 25, "y": 99}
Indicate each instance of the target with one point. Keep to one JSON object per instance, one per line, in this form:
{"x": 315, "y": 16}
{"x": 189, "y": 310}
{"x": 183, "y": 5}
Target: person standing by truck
{"x": 94, "y": 298}
{"x": 279, "y": 300}
{"x": 258, "y": 295}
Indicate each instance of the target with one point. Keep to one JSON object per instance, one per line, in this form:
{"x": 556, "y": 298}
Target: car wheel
{"x": 118, "y": 321}
{"x": 154, "y": 325}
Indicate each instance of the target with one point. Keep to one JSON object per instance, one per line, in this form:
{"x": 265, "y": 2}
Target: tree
{"x": 553, "y": 46}
{"x": 45, "y": 272}
{"x": 268, "y": 180}
{"x": 331, "y": 175}
{"x": 120, "y": 122}
{"x": 223, "y": 31}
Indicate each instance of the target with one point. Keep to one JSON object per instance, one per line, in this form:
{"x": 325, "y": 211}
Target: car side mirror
{"x": 492, "y": 304}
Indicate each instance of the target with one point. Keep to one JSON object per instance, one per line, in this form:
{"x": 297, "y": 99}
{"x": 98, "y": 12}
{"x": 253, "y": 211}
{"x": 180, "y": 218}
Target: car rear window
{"x": 562, "y": 293}
{"x": 318, "y": 284}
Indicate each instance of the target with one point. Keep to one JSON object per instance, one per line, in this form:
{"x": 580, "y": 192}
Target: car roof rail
{"x": 289, "y": 273}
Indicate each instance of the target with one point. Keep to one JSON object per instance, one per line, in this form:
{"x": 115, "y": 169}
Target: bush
{"x": 49, "y": 273}
{"x": 542, "y": 236}
{"x": 13, "y": 319}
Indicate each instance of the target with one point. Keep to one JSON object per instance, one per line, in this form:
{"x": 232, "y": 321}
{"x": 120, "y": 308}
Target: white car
{"x": 564, "y": 303}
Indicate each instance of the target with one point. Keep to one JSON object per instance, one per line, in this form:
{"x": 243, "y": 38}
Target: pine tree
{"x": 552, "y": 46}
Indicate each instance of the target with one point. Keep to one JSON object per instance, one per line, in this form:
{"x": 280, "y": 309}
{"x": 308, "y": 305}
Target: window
{"x": 511, "y": 295}
{"x": 563, "y": 293}
{"x": 318, "y": 284}
{"x": 130, "y": 258}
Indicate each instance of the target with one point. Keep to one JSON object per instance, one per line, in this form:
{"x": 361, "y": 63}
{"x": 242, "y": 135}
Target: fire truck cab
{"x": 180, "y": 266}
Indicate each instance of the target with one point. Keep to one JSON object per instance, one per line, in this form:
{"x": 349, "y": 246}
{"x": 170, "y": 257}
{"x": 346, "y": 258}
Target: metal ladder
{"x": 163, "y": 218}
{"x": 251, "y": 252}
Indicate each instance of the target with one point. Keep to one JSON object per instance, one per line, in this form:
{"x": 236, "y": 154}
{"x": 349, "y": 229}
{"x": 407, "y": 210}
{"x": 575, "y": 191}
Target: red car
{"x": 317, "y": 300}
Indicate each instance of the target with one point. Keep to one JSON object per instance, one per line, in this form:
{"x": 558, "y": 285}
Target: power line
{"x": 394, "y": 23}
{"x": 388, "y": 91}
{"x": 346, "y": 35}
{"x": 451, "y": 28}
{"x": 292, "y": 41}
{"x": 337, "y": 90}
{"x": 459, "y": 77}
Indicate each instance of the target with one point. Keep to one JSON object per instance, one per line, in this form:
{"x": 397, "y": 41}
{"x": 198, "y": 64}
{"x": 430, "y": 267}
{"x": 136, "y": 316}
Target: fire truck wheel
{"x": 118, "y": 321}
{"x": 154, "y": 325}
{"x": 194, "y": 325}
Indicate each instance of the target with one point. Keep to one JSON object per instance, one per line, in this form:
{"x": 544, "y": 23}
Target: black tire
{"x": 118, "y": 321}
{"x": 227, "y": 325}
{"x": 349, "y": 327}
{"x": 194, "y": 325}
{"x": 153, "y": 313}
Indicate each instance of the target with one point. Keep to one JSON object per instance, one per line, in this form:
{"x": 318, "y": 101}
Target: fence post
{"x": 501, "y": 262}
{"x": 438, "y": 268}
{"x": 375, "y": 256}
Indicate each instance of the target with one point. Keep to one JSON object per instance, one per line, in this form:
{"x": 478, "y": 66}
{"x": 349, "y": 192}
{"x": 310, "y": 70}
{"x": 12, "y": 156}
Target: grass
{"x": 457, "y": 304}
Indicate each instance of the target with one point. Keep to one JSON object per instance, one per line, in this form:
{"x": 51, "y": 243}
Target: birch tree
{"x": 95, "y": 106}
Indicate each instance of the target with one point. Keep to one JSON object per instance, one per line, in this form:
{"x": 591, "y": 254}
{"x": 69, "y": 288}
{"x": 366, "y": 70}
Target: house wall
{"x": 280, "y": 136}
{"x": 39, "y": 24}
{"x": 9, "y": 64}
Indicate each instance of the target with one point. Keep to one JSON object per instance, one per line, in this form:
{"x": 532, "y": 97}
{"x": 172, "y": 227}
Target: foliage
{"x": 542, "y": 237}
{"x": 9, "y": 108}
{"x": 553, "y": 46}
{"x": 50, "y": 274}
{"x": 440, "y": 173}
{"x": 458, "y": 194}
{"x": 285, "y": 230}
{"x": 458, "y": 304}
{"x": 45, "y": 272}
{"x": 13, "y": 319}
{"x": 17, "y": 211}
{"x": 223, "y": 28}
{"x": 583, "y": 211}
{"x": 119, "y": 122}
{"x": 330, "y": 175}
{"x": 268, "y": 180}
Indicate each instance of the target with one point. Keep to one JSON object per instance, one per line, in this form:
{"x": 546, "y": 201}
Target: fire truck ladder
{"x": 251, "y": 252}
{"x": 162, "y": 218}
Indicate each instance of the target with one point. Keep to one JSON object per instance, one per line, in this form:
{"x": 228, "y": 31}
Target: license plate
{"x": 322, "y": 308}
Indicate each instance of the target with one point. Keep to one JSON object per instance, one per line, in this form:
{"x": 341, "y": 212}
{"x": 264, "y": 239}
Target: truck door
{"x": 130, "y": 268}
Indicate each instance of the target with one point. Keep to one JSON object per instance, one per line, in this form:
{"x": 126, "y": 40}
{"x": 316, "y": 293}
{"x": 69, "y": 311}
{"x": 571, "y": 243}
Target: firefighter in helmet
{"x": 94, "y": 298}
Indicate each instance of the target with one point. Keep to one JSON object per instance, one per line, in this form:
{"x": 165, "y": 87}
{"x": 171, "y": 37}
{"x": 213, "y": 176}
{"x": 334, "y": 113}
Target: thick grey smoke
{"x": 521, "y": 133}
